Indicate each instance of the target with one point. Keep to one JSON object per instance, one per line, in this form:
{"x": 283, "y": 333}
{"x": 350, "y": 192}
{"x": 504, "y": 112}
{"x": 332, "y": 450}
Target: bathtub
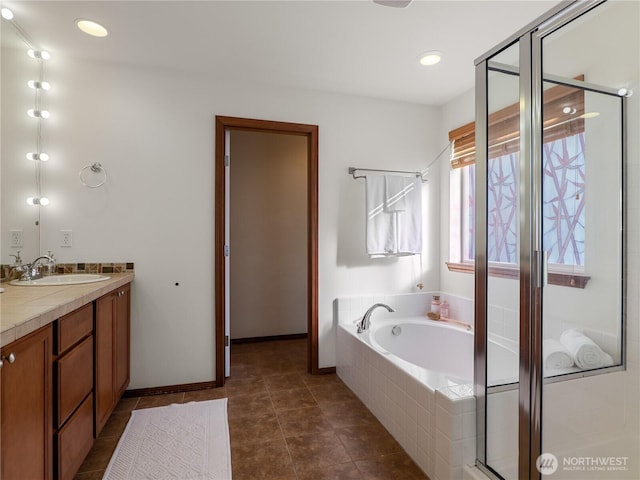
{"x": 442, "y": 353}
{"x": 417, "y": 382}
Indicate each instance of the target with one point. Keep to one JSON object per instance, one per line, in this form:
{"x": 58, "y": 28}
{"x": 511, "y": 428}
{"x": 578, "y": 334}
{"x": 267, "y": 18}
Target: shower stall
{"x": 557, "y": 226}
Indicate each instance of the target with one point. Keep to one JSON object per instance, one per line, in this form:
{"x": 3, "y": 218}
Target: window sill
{"x": 562, "y": 279}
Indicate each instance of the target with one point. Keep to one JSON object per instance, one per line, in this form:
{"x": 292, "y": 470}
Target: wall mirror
{"x": 20, "y": 222}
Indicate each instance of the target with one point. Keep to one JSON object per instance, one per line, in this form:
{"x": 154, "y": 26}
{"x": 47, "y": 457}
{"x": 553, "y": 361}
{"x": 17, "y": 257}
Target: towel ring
{"x": 95, "y": 168}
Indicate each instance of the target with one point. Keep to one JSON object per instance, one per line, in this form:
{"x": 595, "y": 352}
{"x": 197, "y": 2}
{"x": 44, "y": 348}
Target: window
{"x": 563, "y": 190}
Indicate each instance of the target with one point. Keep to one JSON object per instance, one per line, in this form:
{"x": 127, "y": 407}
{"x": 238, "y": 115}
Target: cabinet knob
{"x": 11, "y": 359}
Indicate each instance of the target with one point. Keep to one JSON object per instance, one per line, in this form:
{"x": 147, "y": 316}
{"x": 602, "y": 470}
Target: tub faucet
{"x": 366, "y": 319}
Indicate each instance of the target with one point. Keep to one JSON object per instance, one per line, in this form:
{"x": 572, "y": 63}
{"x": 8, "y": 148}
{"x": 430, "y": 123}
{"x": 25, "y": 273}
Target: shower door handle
{"x": 542, "y": 267}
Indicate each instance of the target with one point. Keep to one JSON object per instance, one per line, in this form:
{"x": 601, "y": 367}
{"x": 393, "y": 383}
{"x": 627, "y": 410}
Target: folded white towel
{"x": 555, "y": 354}
{"x": 585, "y": 352}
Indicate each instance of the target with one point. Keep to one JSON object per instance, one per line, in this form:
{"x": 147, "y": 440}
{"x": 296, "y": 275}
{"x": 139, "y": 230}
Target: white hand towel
{"x": 410, "y": 220}
{"x": 586, "y": 353}
{"x": 381, "y": 226}
{"x": 396, "y": 191}
{"x": 555, "y": 355}
{"x": 393, "y": 233}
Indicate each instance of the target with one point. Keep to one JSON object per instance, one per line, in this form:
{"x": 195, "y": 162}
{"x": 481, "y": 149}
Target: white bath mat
{"x": 183, "y": 441}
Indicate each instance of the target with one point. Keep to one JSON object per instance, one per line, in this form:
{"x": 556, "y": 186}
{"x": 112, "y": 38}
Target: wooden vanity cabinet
{"x": 26, "y": 384}
{"x": 112, "y": 352}
{"x": 58, "y": 387}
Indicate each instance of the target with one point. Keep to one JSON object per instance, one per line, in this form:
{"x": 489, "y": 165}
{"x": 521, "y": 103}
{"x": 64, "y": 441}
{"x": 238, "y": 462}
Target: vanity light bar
{"x": 38, "y": 113}
{"x": 44, "y": 201}
{"x": 43, "y": 157}
{"x": 39, "y": 54}
{"x": 39, "y": 85}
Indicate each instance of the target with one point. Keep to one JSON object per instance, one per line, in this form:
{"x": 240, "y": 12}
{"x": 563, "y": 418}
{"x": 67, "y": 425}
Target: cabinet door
{"x": 104, "y": 360}
{"x": 27, "y": 421}
{"x": 122, "y": 342}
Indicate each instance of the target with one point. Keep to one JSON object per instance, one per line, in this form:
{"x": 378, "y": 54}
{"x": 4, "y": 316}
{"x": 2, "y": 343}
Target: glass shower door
{"x": 503, "y": 263}
{"x": 586, "y": 429}
{"x": 565, "y": 402}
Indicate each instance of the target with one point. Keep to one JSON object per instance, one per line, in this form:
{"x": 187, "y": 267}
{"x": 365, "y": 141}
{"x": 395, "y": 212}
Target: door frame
{"x": 224, "y": 123}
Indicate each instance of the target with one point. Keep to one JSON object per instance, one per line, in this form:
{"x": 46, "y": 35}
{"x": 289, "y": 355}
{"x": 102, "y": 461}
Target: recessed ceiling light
{"x": 430, "y": 58}
{"x": 92, "y": 28}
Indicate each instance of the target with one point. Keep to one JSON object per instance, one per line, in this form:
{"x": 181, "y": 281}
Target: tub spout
{"x": 366, "y": 319}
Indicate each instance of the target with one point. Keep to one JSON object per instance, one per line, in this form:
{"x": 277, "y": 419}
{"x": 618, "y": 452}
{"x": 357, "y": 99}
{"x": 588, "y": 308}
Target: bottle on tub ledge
{"x": 435, "y": 305}
{"x": 444, "y": 309}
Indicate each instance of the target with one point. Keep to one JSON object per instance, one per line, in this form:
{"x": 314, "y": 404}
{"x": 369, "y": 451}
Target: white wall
{"x": 268, "y": 234}
{"x": 153, "y": 131}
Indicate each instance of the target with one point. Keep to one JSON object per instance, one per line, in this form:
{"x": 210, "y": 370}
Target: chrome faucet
{"x": 32, "y": 270}
{"x": 366, "y": 319}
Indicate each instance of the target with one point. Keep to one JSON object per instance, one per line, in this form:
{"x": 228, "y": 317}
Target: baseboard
{"x": 185, "y": 387}
{"x": 293, "y": 336}
{"x": 326, "y": 370}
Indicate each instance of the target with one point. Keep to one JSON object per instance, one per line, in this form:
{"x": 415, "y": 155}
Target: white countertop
{"x": 25, "y": 309}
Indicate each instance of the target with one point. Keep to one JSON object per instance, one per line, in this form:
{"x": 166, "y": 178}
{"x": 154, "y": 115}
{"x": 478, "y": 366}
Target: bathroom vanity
{"x": 65, "y": 365}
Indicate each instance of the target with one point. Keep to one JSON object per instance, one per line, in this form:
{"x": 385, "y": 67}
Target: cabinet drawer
{"x": 73, "y": 327}
{"x": 75, "y": 440}
{"x": 75, "y": 378}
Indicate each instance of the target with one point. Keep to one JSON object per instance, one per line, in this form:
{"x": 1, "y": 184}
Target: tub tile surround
{"x": 435, "y": 427}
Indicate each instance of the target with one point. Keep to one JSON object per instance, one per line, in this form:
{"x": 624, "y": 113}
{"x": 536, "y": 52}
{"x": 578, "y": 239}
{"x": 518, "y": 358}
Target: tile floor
{"x": 284, "y": 423}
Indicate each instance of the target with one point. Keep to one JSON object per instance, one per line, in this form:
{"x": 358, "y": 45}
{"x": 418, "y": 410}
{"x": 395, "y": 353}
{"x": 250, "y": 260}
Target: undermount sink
{"x": 69, "y": 279}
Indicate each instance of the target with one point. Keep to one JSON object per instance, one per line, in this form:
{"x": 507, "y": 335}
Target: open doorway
{"x": 225, "y": 128}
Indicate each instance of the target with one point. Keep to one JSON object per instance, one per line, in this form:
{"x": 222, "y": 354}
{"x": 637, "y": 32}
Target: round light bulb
{"x": 7, "y": 14}
{"x": 92, "y": 28}
{"x": 38, "y": 113}
{"x": 43, "y": 157}
{"x": 39, "y": 54}
{"x": 35, "y": 85}
{"x": 44, "y": 201}
{"x": 569, "y": 110}
{"x": 430, "y": 58}
{"x": 32, "y": 201}
{"x": 625, "y": 92}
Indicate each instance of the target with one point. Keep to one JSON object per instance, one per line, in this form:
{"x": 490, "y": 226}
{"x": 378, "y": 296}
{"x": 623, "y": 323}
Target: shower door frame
{"x": 532, "y": 273}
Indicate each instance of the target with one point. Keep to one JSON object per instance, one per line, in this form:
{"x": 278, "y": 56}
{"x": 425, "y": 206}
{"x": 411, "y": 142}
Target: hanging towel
{"x": 586, "y": 353}
{"x": 555, "y": 354}
{"x": 397, "y": 189}
{"x": 393, "y": 232}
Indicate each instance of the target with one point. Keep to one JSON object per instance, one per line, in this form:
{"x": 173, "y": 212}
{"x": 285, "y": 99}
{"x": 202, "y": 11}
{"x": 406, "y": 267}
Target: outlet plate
{"x": 66, "y": 238}
{"x": 16, "y": 238}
